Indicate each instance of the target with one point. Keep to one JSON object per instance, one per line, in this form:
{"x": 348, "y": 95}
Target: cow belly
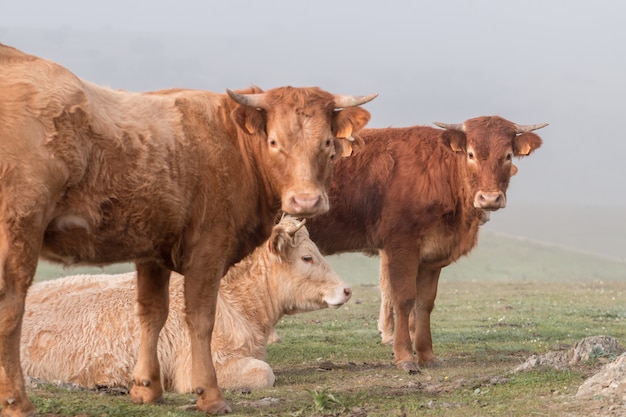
{"x": 71, "y": 240}
{"x": 441, "y": 248}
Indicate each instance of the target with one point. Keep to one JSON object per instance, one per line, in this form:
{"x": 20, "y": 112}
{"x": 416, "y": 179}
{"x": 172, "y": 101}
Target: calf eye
{"x": 328, "y": 143}
{"x": 307, "y": 259}
{"x": 509, "y": 156}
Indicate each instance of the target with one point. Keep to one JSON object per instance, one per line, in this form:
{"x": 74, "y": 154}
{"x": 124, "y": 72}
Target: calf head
{"x": 489, "y": 144}
{"x": 301, "y": 131}
{"x": 303, "y": 280}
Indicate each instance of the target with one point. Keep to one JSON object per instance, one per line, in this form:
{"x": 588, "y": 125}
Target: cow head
{"x": 299, "y": 132}
{"x": 304, "y": 280}
{"x": 489, "y": 145}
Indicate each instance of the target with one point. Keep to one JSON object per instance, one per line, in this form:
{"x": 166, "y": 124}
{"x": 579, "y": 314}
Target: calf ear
{"x": 278, "y": 243}
{"x": 455, "y": 139}
{"x": 526, "y": 143}
{"x": 251, "y": 120}
{"x": 346, "y": 123}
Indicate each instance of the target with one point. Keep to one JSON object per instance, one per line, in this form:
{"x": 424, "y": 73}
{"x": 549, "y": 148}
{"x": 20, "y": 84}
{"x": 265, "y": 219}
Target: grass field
{"x": 511, "y": 298}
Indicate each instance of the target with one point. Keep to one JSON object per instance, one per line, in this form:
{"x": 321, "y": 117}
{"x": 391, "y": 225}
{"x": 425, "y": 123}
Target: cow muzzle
{"x": 490, "y": 200}
{"x": 339, "y": 297}
{"x": 306, "y": 204}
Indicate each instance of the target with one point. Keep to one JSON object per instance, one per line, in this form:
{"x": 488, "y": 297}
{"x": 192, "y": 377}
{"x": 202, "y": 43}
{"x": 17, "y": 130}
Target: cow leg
{"x": 18, "y": 262}
{"x": 401, "y": 267}
{"x": 201, "y": 285}
{"x": 427, "y": 282}
{"x": 385, "y": 316}
{"x": 152, "y": 310}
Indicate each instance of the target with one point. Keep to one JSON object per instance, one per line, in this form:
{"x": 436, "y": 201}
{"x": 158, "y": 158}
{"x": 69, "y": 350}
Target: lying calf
{"x": 83, "y": 329}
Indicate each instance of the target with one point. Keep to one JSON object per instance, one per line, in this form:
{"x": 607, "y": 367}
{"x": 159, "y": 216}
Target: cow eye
{"x": 307, "y": 259}
{"x": 328, "y": 143}
{"x": 470, "y": 155}
{"x": 509, "y": 156}
{"x": 273, "y": 143}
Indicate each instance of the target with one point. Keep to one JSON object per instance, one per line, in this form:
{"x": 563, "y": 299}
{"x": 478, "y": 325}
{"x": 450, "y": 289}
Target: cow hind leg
{"x": 18, "y": 262}
{"x": 401, "y": 269}
{"x": 427, "y": 282}
{"x": 152, "y": 310}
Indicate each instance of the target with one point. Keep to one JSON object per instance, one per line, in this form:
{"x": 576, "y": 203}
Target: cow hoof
{"x": 141, "y": 394}
{"x": 386, "y": 340}
{"x": 13, "y": 407}
{"x": 408, "y": 366}
{"x": 218, "y": 407}
{"x": 431, "y": 363}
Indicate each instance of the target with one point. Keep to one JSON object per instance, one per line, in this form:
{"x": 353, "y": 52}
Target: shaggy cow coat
{"x": 63, "y": 340}
{"x": 178, "y": 180}
{"x": 417, "y": 196}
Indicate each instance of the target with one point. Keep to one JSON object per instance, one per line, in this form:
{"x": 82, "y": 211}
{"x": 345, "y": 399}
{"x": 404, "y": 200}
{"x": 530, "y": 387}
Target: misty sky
{"x": 560, "y": 62}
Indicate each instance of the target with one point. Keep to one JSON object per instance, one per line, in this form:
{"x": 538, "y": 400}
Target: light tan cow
{"x": 66, "y": 341}
{"x": 178, "y": 180}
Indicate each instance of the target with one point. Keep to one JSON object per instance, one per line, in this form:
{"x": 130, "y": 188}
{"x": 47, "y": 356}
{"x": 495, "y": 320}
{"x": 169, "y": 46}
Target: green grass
{"x": 508, "y": 300}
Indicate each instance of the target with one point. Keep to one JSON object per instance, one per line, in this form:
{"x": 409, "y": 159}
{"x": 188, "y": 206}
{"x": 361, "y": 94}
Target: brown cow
{"x": 185, "y": 181}
{"x": 417, "y": 196}
{"x": 66, "y": 341}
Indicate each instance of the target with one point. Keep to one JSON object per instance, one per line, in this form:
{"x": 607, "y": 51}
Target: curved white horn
{"x": 256, "y": 100}
{"x": 351, "y": 101}
{"x": 528, "y": 128}
{"x": 291, "y": 231}
{"x": 454, "y": 126}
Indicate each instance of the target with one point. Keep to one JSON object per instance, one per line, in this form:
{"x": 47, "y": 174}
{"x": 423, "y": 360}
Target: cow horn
{"x": 528, "y": 128}
{"x": 351, "y": 101}
{"x": 291, "y": 231}
{"x": 256, "y": 100}
{"x": 453, "y": 126}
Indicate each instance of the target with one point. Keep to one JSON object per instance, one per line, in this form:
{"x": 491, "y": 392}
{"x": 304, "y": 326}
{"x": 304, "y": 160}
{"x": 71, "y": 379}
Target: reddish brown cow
{"x": 417, "y": 195}
{"x": 185, "y": 181}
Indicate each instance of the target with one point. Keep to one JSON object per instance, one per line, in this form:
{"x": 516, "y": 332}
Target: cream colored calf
{"x": 83, "y": 329}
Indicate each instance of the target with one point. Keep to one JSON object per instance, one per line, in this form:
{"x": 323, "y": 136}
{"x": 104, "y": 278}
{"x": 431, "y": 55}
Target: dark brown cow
{"x": 185, "y": 181}
{"x": 417, "y": 196}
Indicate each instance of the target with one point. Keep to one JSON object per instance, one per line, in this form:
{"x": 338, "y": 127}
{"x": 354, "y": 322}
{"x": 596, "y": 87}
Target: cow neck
{"x": 264, "y": 204}
{"x": 470, "y": 216}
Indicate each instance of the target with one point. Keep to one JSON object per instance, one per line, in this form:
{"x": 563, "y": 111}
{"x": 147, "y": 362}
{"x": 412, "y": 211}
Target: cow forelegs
{"x": 426, "y": 283}
{"x": 401, "y": 273}
{"x": 152, "y": 309}
{"x": 201, "y": 287}
{"x": 385, "y": 316}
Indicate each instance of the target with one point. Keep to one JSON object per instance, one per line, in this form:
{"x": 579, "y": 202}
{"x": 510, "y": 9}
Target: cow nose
{"x": 348, "y": 292}
{"x": 490, "y": 200}
{"x": 305, "y": 204}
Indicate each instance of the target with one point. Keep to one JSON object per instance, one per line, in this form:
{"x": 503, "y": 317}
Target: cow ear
{"x": 526, "y": 143}
{"x": 279, "y": 241}
{"x": 455, "y": 139}
{"x": 513, "y": 169}
{"x": 349, "y": 146}
{"x": 349, "y": 121}
{"x": 346, "y": 123}
{"x": 251, "y": 120}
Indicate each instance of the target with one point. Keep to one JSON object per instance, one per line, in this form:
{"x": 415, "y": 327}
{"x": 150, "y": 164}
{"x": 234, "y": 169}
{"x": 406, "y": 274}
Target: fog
{"x": 558, "y": 62}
